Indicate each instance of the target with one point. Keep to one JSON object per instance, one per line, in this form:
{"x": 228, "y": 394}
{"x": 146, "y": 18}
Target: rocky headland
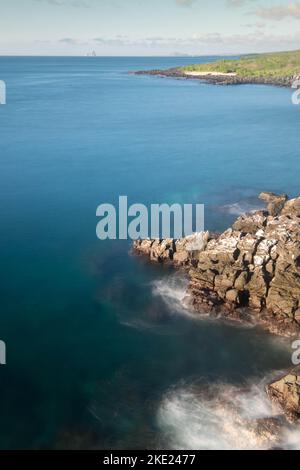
{"x": 277, "y": 68}
{"x": 221, "y": 79}
{"x": 250, "y": 272}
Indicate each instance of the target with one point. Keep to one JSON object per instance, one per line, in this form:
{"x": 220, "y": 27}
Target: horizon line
{"x": 183, "y": 55}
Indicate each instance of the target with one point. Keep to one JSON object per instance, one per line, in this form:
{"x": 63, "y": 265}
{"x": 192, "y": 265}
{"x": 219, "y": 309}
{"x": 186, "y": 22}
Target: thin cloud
{"x": 185, "y": 3}
{"x": 71, "y": 3}
{"x": 215, "y": 43}
{"x": 257, "y": 38}
{"x": 238, "y": 3}
{"x": 68, "y": 41}
{"x": 257, "y": 25}
{"x": 280, "y": 12}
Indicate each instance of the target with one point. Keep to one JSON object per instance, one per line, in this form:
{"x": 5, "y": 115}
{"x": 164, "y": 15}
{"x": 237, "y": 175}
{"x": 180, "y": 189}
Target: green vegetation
{"x": 273, "y": 65}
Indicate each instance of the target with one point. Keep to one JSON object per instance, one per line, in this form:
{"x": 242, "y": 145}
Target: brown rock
{"x": 255, "y": 264}
{"x": 285, "y": 392}
{"x": 181, "y": 258}
{"x": 232, "y": 296}
{"x": 292, "y": 208}
{"x": 251, "y": 223}
{"x": 275, "y": 202}
{"x": 268, "y": 430}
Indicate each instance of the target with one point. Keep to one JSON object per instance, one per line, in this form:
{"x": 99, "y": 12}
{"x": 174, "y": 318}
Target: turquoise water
{"x": 96, "y": 338}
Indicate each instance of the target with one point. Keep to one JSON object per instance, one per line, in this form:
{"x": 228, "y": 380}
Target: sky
{"x": 148, "y": 27}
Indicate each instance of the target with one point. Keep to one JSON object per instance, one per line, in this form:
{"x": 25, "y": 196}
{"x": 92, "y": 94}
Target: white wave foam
{"x": 242, "y": 207}
{"x": 291, "y": 438}
{"x": 173, "y": 291}
{"x": 221, "y": 419}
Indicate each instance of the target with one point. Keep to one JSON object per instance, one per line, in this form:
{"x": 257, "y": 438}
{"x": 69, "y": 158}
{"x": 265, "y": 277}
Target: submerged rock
{"x": 254, "y": 265}
{"x": 285, "y": 392}
{"x": 269, "y": 429}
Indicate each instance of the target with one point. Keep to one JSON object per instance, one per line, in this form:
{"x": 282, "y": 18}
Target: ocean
{"x": 101, "y": 352}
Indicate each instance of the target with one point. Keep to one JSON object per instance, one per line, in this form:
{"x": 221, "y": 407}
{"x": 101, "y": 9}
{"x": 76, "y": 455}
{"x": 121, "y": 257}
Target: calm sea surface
{"x": 100, "y": 351}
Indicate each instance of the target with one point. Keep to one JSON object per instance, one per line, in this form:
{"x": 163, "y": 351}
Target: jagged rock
{"x": 292, "y": 208}
{"x": 254, "y": 264}
{"x": 232, "y": 296}
{"x": 275, "y": 202}
{"x": 180, "y": 252}
{"x": 251, "y": 223}
{"x": 285, "y": 392}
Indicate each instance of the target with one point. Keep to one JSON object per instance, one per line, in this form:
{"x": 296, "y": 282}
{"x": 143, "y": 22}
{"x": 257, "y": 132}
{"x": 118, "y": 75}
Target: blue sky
{"x": 148, "y": 27}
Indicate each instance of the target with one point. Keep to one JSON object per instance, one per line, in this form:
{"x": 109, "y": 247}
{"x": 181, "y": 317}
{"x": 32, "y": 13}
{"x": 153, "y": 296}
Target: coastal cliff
{"x": 250, "y": 272}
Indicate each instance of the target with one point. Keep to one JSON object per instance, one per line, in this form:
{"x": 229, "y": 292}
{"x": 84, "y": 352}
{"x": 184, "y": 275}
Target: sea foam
{"x": 242, "y": 207}
{"x": 221, "y": 417}
{"x": 173, "y": 291}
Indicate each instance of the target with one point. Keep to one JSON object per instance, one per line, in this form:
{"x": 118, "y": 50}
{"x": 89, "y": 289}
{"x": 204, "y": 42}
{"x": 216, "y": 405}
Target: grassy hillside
{"x": 274, "y": 65}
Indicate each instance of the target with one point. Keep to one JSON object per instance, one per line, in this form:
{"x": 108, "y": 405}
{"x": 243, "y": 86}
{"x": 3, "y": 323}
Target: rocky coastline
{"x": 220, "y": 80}
{"x": 249, "y": 273}
{"x": 285, "y": 392}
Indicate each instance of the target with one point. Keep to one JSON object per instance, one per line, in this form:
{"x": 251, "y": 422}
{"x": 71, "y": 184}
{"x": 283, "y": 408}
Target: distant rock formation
{"x": 252, "y": 270}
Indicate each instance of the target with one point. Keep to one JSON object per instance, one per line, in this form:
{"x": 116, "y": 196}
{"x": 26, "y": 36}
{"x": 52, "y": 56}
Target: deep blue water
{"x": 92, "y": 350}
